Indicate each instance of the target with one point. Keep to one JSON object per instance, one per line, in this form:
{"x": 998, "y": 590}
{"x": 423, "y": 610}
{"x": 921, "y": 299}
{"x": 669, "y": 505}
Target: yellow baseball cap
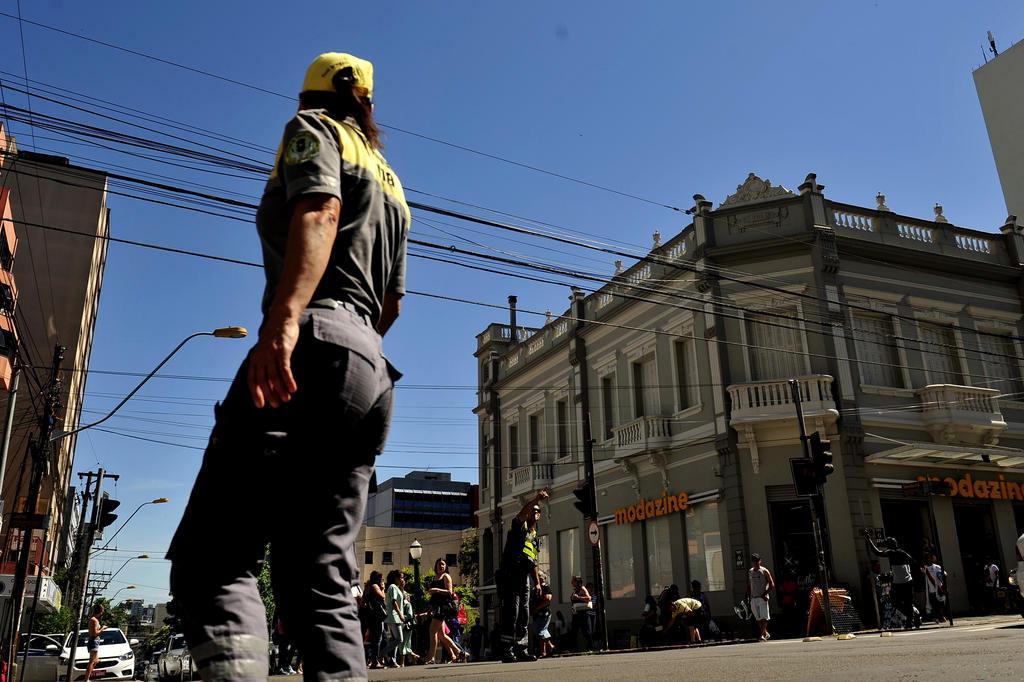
{"x": 320, "y": 76}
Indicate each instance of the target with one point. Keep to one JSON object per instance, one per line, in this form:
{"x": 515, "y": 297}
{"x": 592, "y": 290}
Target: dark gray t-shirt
{"x": 319, "y": 155}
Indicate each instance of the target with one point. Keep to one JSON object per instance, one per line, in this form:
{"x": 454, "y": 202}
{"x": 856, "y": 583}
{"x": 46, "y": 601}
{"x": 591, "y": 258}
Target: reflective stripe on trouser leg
{"x": 231, "y": 657}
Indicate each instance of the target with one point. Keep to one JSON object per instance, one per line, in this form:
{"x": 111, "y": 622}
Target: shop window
{"x": 513, "y": 446}
{"x": 940, "y": 354}
{"x": 368, "y": 557}
{"x": 607, "y": 404}
{"x": 619, "y": 561}
{"x": 562, "y": 427}
{"x": 387, "y": 558}
{"x": 878, "y": 355}
{"x": 568, "y": 563}
{"x": 534, "y": 424}
{"x": 704, "y": 546}
{"x": 777, "y": 349}
{"x": 1002, "y": 364}
{"x": 658, "y": 540}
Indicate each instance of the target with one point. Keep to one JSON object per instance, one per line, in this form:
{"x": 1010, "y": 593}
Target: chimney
{"x": 512, "y": 318}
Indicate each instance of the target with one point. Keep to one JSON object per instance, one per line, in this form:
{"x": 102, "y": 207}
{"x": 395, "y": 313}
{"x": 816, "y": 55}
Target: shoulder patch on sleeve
{"x": 303, "y": 146}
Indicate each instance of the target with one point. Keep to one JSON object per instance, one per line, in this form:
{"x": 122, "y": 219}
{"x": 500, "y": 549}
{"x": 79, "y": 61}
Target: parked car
{"x": 43, "y": 654}
{"x": 117, "y": 660}
{"x": 175, "y": 663}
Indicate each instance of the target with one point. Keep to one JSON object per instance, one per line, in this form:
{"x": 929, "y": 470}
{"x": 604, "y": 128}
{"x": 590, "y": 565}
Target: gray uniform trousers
{"x": 295, "y": 477}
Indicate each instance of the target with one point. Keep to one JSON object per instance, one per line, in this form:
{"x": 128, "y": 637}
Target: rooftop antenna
{"x": 992, "y": 44}
{"x": 983, "y": 55}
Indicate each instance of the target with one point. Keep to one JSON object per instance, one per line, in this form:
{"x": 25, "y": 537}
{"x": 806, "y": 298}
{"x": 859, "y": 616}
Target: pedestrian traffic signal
{"x": 804, "y": 478}
{"x": 585, "y": 500}
{"x": 821, "y": 456}
{"x": 106, "y": 514}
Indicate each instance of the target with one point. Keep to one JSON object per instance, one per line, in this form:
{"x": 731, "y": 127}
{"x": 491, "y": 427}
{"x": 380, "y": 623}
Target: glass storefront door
{"x": 796, "y": 565}
{"x": 979, "y": 543}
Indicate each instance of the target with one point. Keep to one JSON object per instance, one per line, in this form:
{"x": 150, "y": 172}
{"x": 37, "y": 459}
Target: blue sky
{"x": 660, "y": 100}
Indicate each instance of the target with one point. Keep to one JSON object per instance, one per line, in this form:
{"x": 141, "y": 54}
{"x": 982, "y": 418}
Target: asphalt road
{"x": 986, "y": 649}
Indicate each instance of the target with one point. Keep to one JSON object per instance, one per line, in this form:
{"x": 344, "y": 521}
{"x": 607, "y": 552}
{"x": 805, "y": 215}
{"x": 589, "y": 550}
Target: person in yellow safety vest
{"x": 518, "y": 568}
{"x": 291, "y": 457}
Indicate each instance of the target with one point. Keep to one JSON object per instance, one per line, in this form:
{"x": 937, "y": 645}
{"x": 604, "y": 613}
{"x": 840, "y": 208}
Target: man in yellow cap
{"x": 291, "y": 457}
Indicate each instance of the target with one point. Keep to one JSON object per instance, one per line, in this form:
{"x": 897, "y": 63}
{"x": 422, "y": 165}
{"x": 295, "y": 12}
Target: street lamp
{"x": 141, "y": 556}
{"x": 220, "y": 333}
{"x": 415, "y": 552}
{"x": 127, "y": 587}
{"x": 159, "y": 500}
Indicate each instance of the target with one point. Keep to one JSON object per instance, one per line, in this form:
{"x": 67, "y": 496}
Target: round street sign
{"x": 594, "y": 533}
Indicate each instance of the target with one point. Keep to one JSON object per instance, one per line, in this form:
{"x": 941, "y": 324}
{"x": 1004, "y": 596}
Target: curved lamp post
{"x": 220, "y": 333}
{"x": 126, "y": 587}
{"x": 159, "y": 500}
{"x": 141, "y": 556}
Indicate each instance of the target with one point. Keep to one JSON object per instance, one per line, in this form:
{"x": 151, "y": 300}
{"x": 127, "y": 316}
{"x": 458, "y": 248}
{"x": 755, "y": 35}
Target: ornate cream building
{"x": 905, "y": 335}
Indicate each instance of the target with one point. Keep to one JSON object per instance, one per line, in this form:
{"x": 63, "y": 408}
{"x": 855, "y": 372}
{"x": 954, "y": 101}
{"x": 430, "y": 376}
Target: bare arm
{"x": 524, "y": 513}
{"x": 770, "y": 584}
{"x": 311, "y": 234}
{"x": 391, "y": 308}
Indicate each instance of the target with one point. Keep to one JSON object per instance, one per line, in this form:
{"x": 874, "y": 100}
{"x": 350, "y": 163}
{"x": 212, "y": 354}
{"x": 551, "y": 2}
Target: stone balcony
{"x": 641, "y": 435}
{"x": 961, "y": 414}
{"x": 529, "y": 478}
{"x": 763, "y": 406}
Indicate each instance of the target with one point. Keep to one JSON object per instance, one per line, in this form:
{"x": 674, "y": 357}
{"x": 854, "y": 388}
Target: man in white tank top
{"x": 759, "y": 584}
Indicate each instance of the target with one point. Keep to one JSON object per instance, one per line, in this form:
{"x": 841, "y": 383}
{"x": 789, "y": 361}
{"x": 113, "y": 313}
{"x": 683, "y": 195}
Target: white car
{"x": 117, "y": 660}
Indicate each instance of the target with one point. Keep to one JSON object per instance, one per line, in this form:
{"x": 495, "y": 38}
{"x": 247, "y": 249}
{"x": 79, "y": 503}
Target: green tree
{"x": 266, "y": 590}
{"x": 469, "y": 560}
{"x": 56, "y": 621}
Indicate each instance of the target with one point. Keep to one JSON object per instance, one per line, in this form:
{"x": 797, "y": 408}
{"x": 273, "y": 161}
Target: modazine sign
{"x": 649, "y": 509}
{"x": 970, "y": 487}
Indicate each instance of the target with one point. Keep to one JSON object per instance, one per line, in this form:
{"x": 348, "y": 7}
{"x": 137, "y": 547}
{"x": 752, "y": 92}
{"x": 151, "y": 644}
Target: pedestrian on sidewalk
{"x": 93, "y": 643}
{"x": 291, "y": 457}
{"x": 759, "y": 586}
{"x": 540, "y": 612}
{"x": 991, "y": 577}
{"x": 582, "y": 614}
{"x": 394, "y": 597}
{"x": 442, "y": 607}
{"x": 935, "y": 588}
{"x": 283, "y": 664}
{"x": 376, "y": 613}
{"x": 518, "y": 568}
{"x": 902, "y": 579}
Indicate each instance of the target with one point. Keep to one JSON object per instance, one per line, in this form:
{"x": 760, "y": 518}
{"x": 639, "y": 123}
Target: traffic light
{"x": 106, "y": 512}
{"x": 821, "y": 456}
{"x": 585, "y": 500}
{"x": 804, "y": 478}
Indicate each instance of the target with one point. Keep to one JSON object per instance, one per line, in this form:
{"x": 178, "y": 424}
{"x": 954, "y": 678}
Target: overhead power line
{"x": 405, "y": 131}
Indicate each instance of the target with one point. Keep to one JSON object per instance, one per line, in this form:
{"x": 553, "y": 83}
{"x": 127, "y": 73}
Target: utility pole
{"x": 590, "y": 482}
{"x": 29, "y": 521}
{"x": 818, "y": 497}
{"x": 86, "y": 534}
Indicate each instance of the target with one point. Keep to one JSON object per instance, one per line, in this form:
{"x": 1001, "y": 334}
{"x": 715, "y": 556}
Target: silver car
{"x": 43, "y": 654}
{"x": 175, "y": 664}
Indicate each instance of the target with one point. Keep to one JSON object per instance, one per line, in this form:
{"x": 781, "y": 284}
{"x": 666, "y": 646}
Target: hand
{"x": 270, "y": 372}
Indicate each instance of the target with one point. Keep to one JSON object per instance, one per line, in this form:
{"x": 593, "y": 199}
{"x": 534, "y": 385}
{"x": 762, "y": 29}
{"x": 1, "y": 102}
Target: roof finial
{"x": 939, "y": 218}
{"x": 657, "y": 238}
{"x": 880, "y": 198}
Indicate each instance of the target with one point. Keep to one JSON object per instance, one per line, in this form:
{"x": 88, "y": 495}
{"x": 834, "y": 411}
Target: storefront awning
{"x": 935, "y": 454}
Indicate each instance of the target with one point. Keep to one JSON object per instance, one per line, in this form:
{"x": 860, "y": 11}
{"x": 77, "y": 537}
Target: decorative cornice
{"x": 754, "y": 189}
